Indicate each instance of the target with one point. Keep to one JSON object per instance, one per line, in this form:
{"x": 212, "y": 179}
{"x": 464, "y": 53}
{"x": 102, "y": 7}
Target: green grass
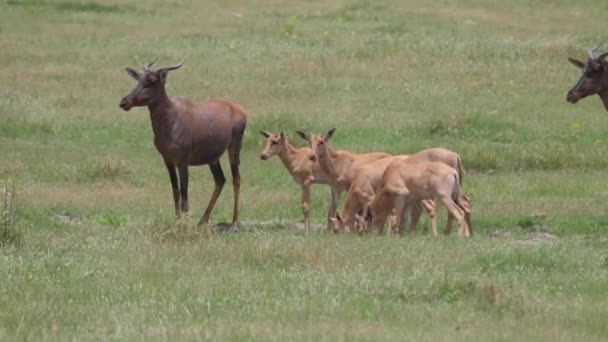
{"x": 101, "y": 257}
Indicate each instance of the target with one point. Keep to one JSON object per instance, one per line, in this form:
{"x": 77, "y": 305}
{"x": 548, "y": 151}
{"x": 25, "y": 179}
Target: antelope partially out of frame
{"x": 405, "y": 183}
{"x": 188, "y": 133}
{"x": 296, "y": 160}
{"x": 338, "y": 166}
{"x": 594, "y": 79}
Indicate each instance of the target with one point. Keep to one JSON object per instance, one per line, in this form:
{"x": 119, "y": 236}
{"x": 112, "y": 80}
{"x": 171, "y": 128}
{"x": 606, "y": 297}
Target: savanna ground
{"x": 101, "y": 257}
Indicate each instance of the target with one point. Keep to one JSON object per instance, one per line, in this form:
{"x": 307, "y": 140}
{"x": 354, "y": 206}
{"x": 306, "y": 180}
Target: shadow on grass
{"x": 182, "y": 230}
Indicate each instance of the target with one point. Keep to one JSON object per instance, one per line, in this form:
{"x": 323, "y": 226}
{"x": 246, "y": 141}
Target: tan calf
{"x": 297, "y": 162}
{"x": 339, "y": 166}
{"x": 447, "y": 157}
{"x": 404, "y": 183}
{"x": 367, "y": 181}
{"x": 364, "y": 185}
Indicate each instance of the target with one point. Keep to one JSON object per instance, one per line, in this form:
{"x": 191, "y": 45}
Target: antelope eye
{"x": 321, "y": 142}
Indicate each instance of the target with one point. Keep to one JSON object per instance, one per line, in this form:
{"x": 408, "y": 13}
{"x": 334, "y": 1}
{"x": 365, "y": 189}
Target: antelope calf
{"x": 367, "y": 181}
{"x": 338, "y": 166}
{"x": 188, "y": 133}
{"x": 404, "y": 183}
{"x": 296, "y": 160}
{"x": 362, "y": 189}
{"x": 594, "y": 79}
{"x": 449, "y": 158}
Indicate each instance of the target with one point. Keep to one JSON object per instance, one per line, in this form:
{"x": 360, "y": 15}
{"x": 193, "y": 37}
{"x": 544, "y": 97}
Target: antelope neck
{"x": 288, "y": 155}
{"x": 328, "y": 162}
{"x": 160, "y": 114}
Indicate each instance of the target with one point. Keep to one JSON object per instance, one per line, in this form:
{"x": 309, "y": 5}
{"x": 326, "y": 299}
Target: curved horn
{"x": 172, "y": 67}
{"x": 149, "y": 64}
{"x": 602, "y": 56}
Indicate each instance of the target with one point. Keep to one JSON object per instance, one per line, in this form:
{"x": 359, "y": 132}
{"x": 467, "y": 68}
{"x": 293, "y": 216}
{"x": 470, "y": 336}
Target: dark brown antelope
{"x": 188, "y": 133}
{"x": 594, "y": 79}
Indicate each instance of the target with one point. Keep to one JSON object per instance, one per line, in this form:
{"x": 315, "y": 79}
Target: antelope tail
{"x": 460, "y": 170}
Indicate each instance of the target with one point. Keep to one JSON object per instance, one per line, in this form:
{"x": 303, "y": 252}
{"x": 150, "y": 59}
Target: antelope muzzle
{"x": 573, "y": 96}
{"x": 126, "y": 103}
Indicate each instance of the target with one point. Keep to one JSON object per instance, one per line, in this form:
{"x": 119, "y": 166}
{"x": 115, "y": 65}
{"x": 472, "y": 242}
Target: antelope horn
{"x": 149, "y": 64}
{"x": 172, "y": 67}
{"x": 602, "y": 56}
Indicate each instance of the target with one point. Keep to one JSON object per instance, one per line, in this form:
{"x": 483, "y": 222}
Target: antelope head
{"x": 150, "y": 85}
{"x": 361, "y": 223}
{"x": 337, "y": 224}
{"x": 318, "y": 143}
{"x": 275, "y": 143}
{"x": 594, "y": 79}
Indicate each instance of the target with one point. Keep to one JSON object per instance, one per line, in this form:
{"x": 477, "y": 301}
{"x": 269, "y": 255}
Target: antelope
{"x": 367, "y": 181}
{"x": 449, "y": 158}
{"x": 364, "y": 185}
{"x": 338, "y": 166}
{"x": 297, "y": 162}
{"x": 188, "y": 133}
{"x": 594, "y": 79}
{"x": 404, "y": 183}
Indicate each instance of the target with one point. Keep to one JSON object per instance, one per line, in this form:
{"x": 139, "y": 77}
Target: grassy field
{"x": 101, "y": 257}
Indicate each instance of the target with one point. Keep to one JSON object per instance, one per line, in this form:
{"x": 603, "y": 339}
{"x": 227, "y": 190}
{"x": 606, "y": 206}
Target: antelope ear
{"x": 282, "y": 135}
{"x": 303, "y": 135}
{"x": 162, "y": 75}
{"x": 576, "y": 63}
{"x": 265, "y": 134}
{"x": 329, "y": 134}
{"x": 134, "y": 74}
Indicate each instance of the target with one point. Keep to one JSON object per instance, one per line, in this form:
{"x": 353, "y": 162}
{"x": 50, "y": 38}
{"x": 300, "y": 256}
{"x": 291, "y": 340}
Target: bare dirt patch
{"x": 67, "y": 218}
{"x": 538, "y": 238}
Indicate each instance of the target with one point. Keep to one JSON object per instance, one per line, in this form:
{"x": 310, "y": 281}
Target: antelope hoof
{"x": 235, "y": 227}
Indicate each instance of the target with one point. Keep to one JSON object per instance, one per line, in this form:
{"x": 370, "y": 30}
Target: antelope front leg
{"x": 305, "y": 205}
{"x": 394, "y": 220}
{"x": 335, "y": 197}
{"x": 183, "y": 187}
{"x": 400, "y": 207}
{"x": 174, "y": 186}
